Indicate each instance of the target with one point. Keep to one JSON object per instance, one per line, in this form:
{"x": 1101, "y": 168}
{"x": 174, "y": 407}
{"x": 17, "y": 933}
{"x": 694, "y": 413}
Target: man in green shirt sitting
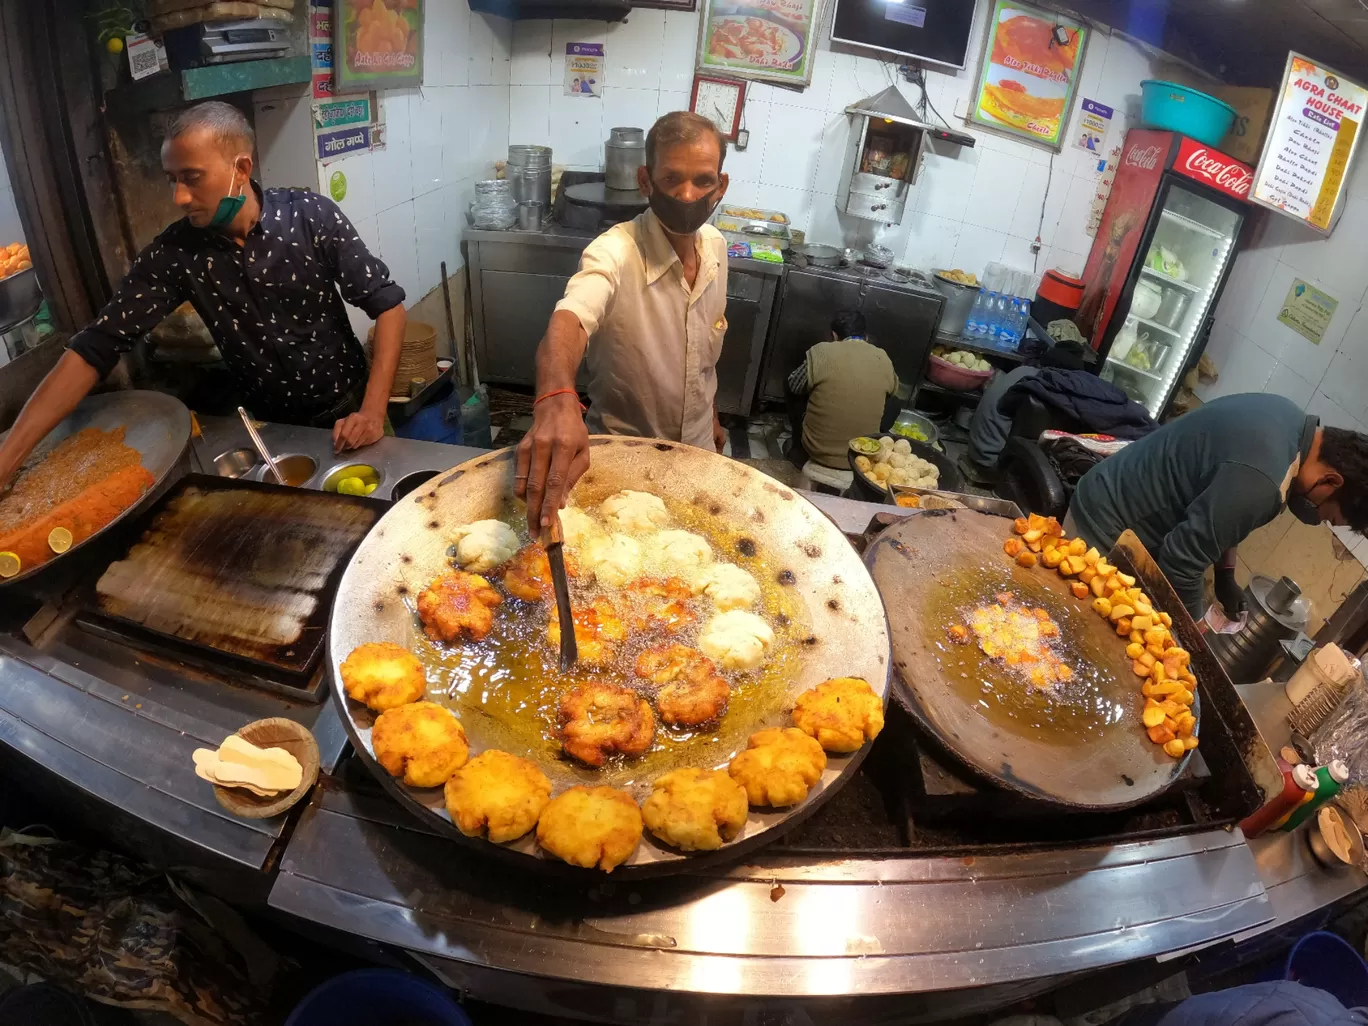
{"x": 837, "y": 393}
{"x": 1197, "y": 487}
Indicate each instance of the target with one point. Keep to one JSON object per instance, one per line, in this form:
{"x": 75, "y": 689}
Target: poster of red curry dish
{"x": 1029, "y": 73}
{"x": 763, "y": 40}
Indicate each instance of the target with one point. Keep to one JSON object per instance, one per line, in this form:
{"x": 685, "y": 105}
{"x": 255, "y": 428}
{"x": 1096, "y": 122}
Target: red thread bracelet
{"x": 559, "y": 391}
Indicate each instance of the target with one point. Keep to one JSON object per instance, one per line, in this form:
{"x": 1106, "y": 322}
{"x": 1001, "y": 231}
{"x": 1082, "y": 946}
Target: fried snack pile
{"x": 1169, "y": 684}
{"x": 1019, "y": 637}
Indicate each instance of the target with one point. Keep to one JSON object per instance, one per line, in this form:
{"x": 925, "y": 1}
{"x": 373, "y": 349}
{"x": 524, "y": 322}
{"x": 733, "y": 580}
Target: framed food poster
{"x": 1029, "y": 73}
{"x": 761, "y": 40}
{"x": 1312, "y": 138}
{"x": 377, "y": 44}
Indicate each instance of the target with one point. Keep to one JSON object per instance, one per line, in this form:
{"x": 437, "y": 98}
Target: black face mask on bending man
{"x": 680, "y": 217}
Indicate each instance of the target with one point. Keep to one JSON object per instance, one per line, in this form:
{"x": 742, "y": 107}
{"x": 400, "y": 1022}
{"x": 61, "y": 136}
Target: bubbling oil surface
{"x": 506, "y": 688}
{"x": 1090, "y": 706}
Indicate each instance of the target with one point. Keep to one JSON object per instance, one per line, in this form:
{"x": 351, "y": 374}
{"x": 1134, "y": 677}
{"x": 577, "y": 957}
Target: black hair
{"x": 682, "y": 126}
{"x": 1347, "y": 452}
{"x": 848, "y": 324}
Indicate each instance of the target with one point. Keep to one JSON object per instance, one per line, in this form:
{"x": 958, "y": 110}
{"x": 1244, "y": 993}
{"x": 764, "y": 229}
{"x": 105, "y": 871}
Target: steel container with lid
{"x": 1277, "y": 612}
{"x": 623, "y": 153}
{"x": 529, "y": 172}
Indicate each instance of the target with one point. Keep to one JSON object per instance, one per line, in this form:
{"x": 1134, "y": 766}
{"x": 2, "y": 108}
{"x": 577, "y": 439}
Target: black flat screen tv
{"x": 931, "y": 31}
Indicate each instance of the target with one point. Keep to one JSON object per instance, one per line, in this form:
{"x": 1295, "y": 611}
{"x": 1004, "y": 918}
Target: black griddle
{"x": 235, "y": 576}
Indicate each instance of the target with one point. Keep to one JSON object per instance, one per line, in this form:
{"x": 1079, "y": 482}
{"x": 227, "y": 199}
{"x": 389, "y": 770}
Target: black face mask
{"x": 680, "y": 217}
{"x": 1303, "y": 509}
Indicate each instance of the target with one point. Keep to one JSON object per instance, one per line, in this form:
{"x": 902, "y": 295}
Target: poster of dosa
{"x": 765, "y": 40}
{"x": 1030, "y": 72}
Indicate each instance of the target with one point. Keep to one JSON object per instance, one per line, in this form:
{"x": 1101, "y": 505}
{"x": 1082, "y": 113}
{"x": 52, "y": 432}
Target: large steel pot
{"x": 838, "y": 629}
{"x": 1277, "y": 612}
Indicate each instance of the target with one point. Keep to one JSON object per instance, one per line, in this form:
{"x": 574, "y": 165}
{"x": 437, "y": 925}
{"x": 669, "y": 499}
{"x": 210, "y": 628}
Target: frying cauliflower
{"x": 484, "y": 544}
{"x": 778, "y": 766}
{"x": 615, "y": 559}
{"x": 695, "y": 809}
{"x": 680, "y": 552}
{"x": 840, "y": 714}
{"x": 727, "y": 585}
{"x": 736, "y": 640}
{"x": 637, "y": 512}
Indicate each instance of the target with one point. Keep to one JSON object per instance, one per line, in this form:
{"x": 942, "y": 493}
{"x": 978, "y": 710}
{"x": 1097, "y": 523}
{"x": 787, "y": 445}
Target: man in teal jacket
{"x": 1198, "y": 486}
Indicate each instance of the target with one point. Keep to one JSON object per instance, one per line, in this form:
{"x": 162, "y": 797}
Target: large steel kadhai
{"x": 830, "y": 623}
{"x": 1080, "y": 743}
{"x": 156, "y": 424}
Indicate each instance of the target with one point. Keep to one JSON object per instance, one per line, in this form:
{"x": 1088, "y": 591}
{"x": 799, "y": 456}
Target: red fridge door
{"x": 1144, "y": 158}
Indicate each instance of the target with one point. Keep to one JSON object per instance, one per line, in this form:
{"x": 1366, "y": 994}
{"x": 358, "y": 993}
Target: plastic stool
{"x": 368, "y": 997}
{"x": 1327, "y": 961}
{"x": 838, "y": 480}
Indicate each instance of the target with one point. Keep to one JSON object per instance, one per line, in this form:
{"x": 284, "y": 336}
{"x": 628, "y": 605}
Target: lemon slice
{"x": 9, "y": 564}
{"x": 59, "y": 539}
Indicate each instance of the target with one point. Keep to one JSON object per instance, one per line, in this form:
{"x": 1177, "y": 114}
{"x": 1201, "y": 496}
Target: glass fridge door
{"x": 1193, "y": 241}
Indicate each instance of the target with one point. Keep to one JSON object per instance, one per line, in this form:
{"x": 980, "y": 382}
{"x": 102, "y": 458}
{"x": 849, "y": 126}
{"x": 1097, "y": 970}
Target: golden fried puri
{"x": 528, "y": 574}
{"x": 696, "y": 809}
{"x": 423, "y": 742}
{"x": 458, "y": 605}
{"x": 598, "y": 630}
{"x": 693, "y": 693}
{"x": 383, "y": 675}
{"x": 497, "y": 793}
{"x": 841, "y": 714}
{"x": 597, "y": 719}
{"x": 778, "y": 766}
{"x": 591, "y": 826}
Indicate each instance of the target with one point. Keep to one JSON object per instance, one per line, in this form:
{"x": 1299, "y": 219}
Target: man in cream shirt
{"x": 648, "y": 305}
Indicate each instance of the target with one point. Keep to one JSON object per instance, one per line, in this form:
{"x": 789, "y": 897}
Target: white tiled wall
{"x": 970, "y": 206}
{"x": 1255, "y": 352}
{"x": 408, "y": 199}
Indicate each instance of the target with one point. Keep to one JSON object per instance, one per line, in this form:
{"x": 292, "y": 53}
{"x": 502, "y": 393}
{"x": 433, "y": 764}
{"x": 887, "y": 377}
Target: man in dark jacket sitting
{"x": 1198, "y": 486}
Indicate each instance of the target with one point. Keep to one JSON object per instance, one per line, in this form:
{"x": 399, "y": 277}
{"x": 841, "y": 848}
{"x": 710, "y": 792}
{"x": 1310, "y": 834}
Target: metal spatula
{"x": 554, "y": 543}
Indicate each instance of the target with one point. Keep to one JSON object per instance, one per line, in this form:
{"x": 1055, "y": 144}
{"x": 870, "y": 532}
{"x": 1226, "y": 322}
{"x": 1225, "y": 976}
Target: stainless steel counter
{"x": 853, "y": 936}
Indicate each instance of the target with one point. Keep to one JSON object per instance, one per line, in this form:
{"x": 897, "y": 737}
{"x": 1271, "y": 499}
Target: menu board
{"x": 1311, "y": 139}
{"x": 1029, "y": 74}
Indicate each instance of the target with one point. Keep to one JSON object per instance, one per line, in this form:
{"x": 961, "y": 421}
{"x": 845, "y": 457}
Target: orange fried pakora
{"x": 841, "y": 714}
{"x": 383, "y": 675}
{"x": 591, "y": 826}
{"x": 598, "y": 719}
{"x": 423, "y": 742}
{"x": 661, "y": 603}
{"x": 693, "y": 693}
{"x": 598, "y": 630}
{"x": 458, "y": 605}
{"x": 527, "y": 575}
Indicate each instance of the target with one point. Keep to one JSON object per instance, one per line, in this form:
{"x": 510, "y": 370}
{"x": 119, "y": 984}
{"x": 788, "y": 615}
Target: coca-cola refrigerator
{"x": 1160, "y": 259}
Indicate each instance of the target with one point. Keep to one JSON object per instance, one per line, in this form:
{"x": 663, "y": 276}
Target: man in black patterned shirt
{"x": 263, "y": 270}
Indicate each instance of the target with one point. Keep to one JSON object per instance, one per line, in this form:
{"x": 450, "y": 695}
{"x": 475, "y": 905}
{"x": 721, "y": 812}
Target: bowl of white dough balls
{"x": 900, "y": 461}
{"x": 958, "y": 369}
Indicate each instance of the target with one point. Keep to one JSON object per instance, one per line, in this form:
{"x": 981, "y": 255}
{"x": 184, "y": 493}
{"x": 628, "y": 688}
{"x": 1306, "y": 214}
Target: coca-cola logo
{"x": 1229, "y": 175}
{"x": 1146, "y": 158}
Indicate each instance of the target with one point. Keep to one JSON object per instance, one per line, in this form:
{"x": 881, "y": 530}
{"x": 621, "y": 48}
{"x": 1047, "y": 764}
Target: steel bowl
{"x": 235, "y": 462}
{"x": 295, "y": 467}
{"x": 1320, "y": 848}
{"x": 838, "y": 627}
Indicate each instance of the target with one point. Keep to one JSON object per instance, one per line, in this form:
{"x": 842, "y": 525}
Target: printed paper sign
{"x": 322, "y": 85}
{"x": 322, "y": 56}
{"x": 320, "y": 26}
{"x": 146, "y": 56}
{"x": 1313, "y": 135}
{"x": 343, "y": 111}
{"x": 344, "y": 141}
{"x": 1307, "y": 310}
{"x": 1093, "y": 122}
{"x": 583, "y": 69}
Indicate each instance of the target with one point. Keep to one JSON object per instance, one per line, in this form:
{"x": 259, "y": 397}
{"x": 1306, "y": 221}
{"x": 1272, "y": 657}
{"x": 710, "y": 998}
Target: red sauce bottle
{"x": 1297, "y": 781}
